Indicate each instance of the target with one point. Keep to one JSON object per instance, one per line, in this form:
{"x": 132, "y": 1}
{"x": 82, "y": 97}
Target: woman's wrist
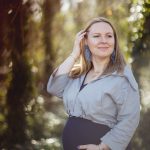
{"x": 99, "y": 147}
{"x": 103, "y": 146}
{"x": 73, "y": 56}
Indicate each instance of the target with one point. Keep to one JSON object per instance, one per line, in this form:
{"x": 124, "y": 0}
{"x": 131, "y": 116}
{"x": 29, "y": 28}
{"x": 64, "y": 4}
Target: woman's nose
{"x": 103, "y": 39}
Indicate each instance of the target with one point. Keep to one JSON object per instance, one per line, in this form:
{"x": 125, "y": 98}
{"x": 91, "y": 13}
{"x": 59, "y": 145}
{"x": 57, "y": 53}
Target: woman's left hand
{"x": 102, "y": 146}
{"x": 89, "y": 147}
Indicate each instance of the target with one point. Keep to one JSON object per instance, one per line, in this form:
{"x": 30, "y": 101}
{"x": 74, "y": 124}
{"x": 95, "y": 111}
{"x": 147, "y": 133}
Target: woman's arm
{"x": 128, "y": 104}
{"x": 59, "y": 78}
{"x": 67, "y": 65}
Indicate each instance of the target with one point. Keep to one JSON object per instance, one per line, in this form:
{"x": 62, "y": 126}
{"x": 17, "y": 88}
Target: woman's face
{"x": 100, "y": 40}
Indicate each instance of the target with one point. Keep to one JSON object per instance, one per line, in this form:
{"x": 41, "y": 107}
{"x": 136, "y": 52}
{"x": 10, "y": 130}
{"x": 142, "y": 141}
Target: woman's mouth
{"x": 103, "y": 48}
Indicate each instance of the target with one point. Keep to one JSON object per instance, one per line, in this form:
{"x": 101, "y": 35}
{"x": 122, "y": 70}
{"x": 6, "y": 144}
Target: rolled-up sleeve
{"x": 57, "y": 83}
{"x": 128, "y": 117}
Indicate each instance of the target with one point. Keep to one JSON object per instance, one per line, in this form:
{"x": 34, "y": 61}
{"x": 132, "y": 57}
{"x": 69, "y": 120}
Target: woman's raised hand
{"x": 76, "y": 48}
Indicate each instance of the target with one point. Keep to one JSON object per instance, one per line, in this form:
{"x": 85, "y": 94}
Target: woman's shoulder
{"x": 128, "y": 77}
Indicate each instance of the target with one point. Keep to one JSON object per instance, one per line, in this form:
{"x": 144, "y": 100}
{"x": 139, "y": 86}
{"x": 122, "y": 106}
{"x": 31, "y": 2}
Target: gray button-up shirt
{"x": 112, "y": 100}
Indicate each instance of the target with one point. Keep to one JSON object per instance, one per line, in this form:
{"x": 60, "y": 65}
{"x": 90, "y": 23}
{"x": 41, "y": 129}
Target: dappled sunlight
{"x": 52, "y": 143}
{"x": 36, "y": 36}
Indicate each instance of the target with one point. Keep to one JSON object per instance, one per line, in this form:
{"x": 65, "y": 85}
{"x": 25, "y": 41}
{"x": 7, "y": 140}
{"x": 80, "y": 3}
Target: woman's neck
{"x": 99, "y": 65}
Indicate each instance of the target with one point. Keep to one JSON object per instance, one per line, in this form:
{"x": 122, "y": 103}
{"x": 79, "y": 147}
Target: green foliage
{"x": 49, "y": 40}
{"x": 140, "y": 37}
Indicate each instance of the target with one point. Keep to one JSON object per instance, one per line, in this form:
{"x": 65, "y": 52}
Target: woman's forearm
{"x": 67, "y": 65}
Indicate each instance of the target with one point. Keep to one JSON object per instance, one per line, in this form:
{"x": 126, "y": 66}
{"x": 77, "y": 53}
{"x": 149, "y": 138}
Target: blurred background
{"x": 35, "y": 37}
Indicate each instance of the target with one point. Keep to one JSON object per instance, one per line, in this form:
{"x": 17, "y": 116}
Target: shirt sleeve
{"x": 57, "y": 84}
{"x": 128, "y": 105}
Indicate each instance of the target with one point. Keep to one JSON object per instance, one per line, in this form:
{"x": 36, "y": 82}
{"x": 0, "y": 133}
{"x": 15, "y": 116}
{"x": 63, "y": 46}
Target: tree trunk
{"x": 50, "y": 9}
{"x": 20, "y": 88}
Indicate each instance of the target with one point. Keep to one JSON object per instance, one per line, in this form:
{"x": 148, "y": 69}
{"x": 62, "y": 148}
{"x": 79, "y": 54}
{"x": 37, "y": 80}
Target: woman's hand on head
{"x": 76, "y": 48}
{"x": 102, "y": 146}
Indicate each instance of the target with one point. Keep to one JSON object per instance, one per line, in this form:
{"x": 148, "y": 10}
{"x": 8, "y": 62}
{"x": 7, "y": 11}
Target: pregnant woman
{"x": 99, "y": 93}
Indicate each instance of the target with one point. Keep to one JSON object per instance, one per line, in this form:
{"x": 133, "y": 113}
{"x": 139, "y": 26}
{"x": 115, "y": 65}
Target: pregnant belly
{"x": 79, "y": 131}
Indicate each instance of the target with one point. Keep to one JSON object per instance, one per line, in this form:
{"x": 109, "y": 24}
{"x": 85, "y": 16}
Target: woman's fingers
{"x": 76, "y": 48}
{"x": 89, "y": 147}
{"x": 81, "y": 33}
{"x": 83, "y": 147}
{"x": 80, "y": 36}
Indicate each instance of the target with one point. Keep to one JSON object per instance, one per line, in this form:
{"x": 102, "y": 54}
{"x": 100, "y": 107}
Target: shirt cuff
{"x": 113, "y": 145}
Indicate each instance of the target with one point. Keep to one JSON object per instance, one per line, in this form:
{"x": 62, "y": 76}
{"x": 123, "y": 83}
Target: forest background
{"x": 35, "y": 37}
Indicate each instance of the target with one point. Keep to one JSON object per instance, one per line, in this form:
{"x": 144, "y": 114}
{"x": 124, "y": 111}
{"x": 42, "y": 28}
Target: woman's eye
{"x": 109, "y": 36}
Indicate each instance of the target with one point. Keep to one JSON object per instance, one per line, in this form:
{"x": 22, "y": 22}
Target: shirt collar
{"x": 127, "y": 73}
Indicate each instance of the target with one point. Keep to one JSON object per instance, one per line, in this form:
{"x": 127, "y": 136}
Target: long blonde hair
{"x": 84, "y": 65}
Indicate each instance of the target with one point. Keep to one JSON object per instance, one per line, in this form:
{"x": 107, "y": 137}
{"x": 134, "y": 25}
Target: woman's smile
{"x": 101, "y": 40}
